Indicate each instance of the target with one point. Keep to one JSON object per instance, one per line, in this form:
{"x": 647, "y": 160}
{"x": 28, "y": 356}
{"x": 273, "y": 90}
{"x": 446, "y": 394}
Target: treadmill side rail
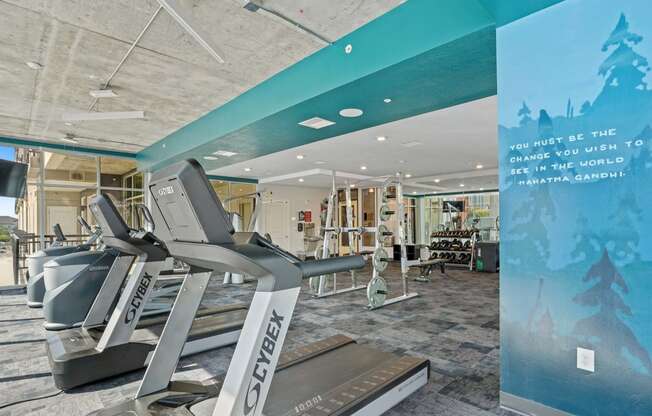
{"x": 256, "y": 355}
{"x": 106, "y": 296}
{"x": 173, "y": 338}
{"x": 137, "y": 291}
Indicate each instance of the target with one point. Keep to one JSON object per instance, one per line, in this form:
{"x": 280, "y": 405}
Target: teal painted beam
{"x": 231, "y": 179}
{"x": 425, "y": 55}
{"x": 438, "y": 194}
{"x": 507, "y": 11}
{"x": 411, "y": 29}
{"x": 14, "y": 141}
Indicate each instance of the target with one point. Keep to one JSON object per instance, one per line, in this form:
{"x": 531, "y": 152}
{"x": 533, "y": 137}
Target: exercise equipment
{"x": 73, "y": 282}
{"x": 236, "y": 220}
{"x": 377, "y": 288}
{"x": 336, "y": 376}
{"x": 103, "y": 348}
{"x": 319, "y": 285}
{"x": 36, "y": 262}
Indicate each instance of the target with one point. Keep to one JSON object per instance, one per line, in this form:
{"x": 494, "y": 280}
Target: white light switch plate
{"x": 586, "y": 359}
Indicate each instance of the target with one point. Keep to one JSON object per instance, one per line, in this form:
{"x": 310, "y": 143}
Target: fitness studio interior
{"x": 325, "y": 208}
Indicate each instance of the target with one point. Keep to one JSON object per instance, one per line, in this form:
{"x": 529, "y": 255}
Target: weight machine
{"x": 377, "y": 289}
{"x": 319, "y": 285}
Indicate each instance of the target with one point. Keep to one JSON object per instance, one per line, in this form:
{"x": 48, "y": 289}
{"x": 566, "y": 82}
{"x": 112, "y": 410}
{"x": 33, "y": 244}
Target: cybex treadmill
{"x": 101, "y": 348}
{"x": 332, "y": 377}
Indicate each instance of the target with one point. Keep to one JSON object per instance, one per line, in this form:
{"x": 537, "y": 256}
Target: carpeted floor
{"x": 454, "y": 323}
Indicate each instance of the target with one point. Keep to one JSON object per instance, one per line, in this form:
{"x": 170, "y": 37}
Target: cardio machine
{"x": 336, "y": 376}
{"x": 102, "y": 348}
{"x": 36, "y": 262}
{"x": 73, "y": 282}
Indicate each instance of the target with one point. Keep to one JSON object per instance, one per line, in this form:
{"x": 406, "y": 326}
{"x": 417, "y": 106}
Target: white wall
{"x": 300, "y": 198}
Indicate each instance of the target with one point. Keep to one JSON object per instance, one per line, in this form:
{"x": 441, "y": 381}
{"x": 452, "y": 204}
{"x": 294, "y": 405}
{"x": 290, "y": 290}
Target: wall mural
{"x": 576, "y": 197}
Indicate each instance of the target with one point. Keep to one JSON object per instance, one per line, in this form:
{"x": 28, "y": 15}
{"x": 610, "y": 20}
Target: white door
{"x": 277, "y": 222}
{"x": 66, "y": 217}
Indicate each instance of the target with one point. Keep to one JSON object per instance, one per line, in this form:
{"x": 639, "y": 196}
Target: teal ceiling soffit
{"x": 415, "y": 28}
{"x": 14, "y": 141}
{"x": 231, "y": 179}
{"x": 507, "y": 11}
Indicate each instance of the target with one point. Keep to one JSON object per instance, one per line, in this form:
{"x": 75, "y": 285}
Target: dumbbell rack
{"x": 463, "y": 236}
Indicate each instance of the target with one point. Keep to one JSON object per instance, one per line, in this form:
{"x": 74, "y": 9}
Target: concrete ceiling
{"x": 444, "y": 145}
{"x": 169, "y": 76}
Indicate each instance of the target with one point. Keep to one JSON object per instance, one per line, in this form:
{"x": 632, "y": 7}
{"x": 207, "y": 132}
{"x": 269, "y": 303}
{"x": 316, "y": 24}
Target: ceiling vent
{"x": 316, "y": 123}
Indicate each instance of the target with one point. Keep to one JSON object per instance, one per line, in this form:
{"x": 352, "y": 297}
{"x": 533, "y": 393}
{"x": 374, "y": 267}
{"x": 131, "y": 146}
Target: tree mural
{"x": 587, "y": 241}
{"x": 624, "y": 67}
{"x": 611, "y": 335}
{"x": 621, "y": 237}
{"x": 524, "y": 114}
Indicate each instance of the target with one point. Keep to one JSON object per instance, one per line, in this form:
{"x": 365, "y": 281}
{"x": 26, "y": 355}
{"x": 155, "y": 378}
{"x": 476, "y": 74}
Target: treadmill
{"x": 101, "y": 348}
{"x": 336, "y": 376}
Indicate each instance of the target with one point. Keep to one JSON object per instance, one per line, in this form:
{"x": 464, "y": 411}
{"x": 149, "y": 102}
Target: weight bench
{"x": 425, "y": 268}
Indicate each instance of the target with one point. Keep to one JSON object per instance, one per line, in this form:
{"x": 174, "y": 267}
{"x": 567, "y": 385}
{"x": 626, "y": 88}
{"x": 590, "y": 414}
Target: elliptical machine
{"x": 36, "y": 262}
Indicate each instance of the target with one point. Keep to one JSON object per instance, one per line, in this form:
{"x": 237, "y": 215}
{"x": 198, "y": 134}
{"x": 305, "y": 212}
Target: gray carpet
{"x": 454, "y": 323}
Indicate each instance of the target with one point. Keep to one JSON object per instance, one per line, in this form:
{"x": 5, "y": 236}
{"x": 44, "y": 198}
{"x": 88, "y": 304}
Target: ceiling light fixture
{"x": 381, "y": 138}
{"x": 387, "y": 100}
{"x": 210, "y": 158}
{"x": 363, "y": 168}
{"x": 351, "y": 112}
{"x": 414, "y": 192}
{"x": 110, "y": 115}
{"x": 437, "y": 180}
{"x": 69, "y": 139}
{"x": 34, "y": 65}
{"x": 225, "y": 153}
{"x": 482, "y": 189}
{"x": 300, "y": 157}
{"x": 413, "y": 143}
{"x": 352, "y": 185}
{"x": 108, "y": 93}
{"x": 247, "y": 169}
{"x": 479, "y": 166}
{"x": 69, "y": 124}
{"x": 461, "y": 185}
{"x": 320, "y": 162}
{"x": 316, "y": 123}
{"x": 300, "y": 179}
{"x": 408, "y": 175}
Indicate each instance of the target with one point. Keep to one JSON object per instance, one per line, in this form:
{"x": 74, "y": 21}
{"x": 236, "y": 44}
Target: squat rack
{"x": 318, "y": 285}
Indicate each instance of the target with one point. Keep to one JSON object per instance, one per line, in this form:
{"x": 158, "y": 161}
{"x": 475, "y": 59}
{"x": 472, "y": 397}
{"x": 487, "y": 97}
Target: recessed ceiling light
{"x": 371, "y": 190}
{"x": 414, "y": 192}
{"x": 437, "y": 180}
{"x": 351, "y": 112}
{"x": 479, "y": 166}
{"x": 300, "y": 157}
{"x": 69, "y": 124}
{"x": 352, "y": 185}
{"x": 300, "y": 179}
{"x": 69, "y": 139}
{"x": 316, "y": 123}
{"x": 247, "y": 169}
{"x": 320, "y": 162}
{"x": 363, "y": 168}
{"x": 210, "y": 158}
{"x": 381, "y": 138}
{"x": 387, "y": 100}
{"x": 348, "y": 48}
{"x": 34, "y": 65}
{"x": 408, "y": 175}
{"x": 482, "y": 189}
{"x": 461, "y": 185}
{"x": 103, "y": 93}
{"x": 225, "y": 153}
